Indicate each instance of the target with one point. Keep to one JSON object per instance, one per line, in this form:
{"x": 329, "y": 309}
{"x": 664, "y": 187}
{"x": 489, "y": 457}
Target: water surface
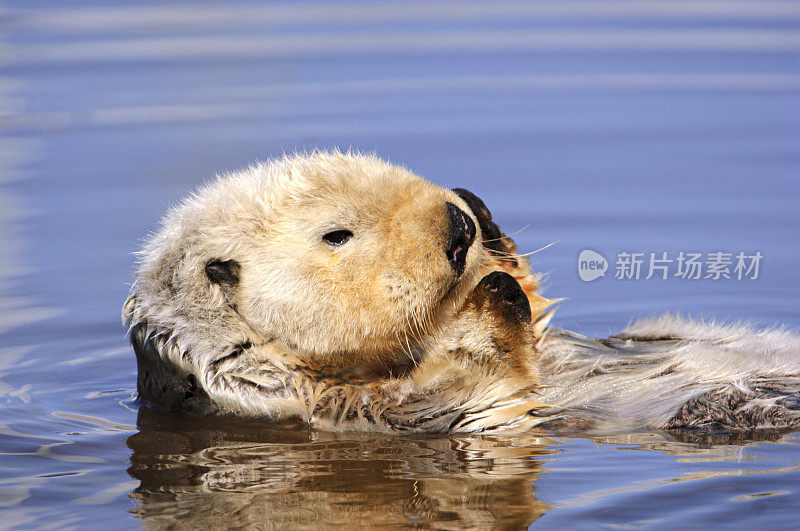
{"x": 614, "y": 126}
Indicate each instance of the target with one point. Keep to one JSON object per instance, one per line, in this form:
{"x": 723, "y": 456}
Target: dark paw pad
{"x": 504, "y": 290}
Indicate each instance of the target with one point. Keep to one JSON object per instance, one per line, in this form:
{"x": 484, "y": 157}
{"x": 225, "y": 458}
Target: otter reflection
{"x": 223, "y": 473}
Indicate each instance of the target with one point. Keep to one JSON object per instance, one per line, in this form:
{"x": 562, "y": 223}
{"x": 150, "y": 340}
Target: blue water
{"x": 644, "y": 127}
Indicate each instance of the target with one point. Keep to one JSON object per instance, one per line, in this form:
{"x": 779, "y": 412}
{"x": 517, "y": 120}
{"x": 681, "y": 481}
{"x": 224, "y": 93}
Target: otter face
{"x": 342, "y": 257}
{"x": 361, "y": 264}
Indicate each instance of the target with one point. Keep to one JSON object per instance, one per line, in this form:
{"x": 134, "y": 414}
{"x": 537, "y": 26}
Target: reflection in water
{"x": 212, "y": 473}
{"x": 223, "y": 473}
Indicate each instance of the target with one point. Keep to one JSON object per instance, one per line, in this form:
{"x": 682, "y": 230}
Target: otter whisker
{"x": 507, "y": 236}
{"x": 408, "y": 351}
{"x": 540, "y": 248}
{"x": 424, "y": 326}
{"x": 510, "y": 259}
{"x": 511, "y": 256}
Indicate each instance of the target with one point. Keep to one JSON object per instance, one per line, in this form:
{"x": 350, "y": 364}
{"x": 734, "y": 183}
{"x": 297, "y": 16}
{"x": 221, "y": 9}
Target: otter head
{"x": 340, "y": 256}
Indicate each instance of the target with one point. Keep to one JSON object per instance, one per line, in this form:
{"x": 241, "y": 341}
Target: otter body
{"x": 355, "y": 295}
{"x": 672, "y": 373}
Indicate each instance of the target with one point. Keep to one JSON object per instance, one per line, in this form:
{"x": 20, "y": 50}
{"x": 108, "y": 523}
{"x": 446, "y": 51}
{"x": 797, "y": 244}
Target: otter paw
{"x": 493, "y": 237}
{"x": 505, "y": 293}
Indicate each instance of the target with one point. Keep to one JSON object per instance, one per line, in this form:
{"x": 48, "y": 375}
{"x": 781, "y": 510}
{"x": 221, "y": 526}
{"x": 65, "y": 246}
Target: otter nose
{"x": 460, "y": 236}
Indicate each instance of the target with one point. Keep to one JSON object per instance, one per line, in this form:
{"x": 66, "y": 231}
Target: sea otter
{"x": 295, "y": 285}
{"x": 351, "y": 293}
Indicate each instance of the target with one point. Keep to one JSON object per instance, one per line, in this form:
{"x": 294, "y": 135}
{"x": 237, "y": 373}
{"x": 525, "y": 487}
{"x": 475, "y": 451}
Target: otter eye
{"x": 337, "y": 237}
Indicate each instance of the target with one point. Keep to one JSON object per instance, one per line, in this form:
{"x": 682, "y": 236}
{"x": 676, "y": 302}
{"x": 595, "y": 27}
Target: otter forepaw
{"x": 493, "y": 237}
{"x": 506, "y": 294}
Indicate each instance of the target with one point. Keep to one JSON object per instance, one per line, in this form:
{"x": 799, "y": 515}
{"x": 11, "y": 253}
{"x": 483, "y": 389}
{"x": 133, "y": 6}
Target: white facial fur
{"x": 376, "y": 293}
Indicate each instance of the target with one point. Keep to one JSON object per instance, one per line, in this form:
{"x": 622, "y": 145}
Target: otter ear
{"x": 492, "y": 235}
{"x": 225, "y": 273}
